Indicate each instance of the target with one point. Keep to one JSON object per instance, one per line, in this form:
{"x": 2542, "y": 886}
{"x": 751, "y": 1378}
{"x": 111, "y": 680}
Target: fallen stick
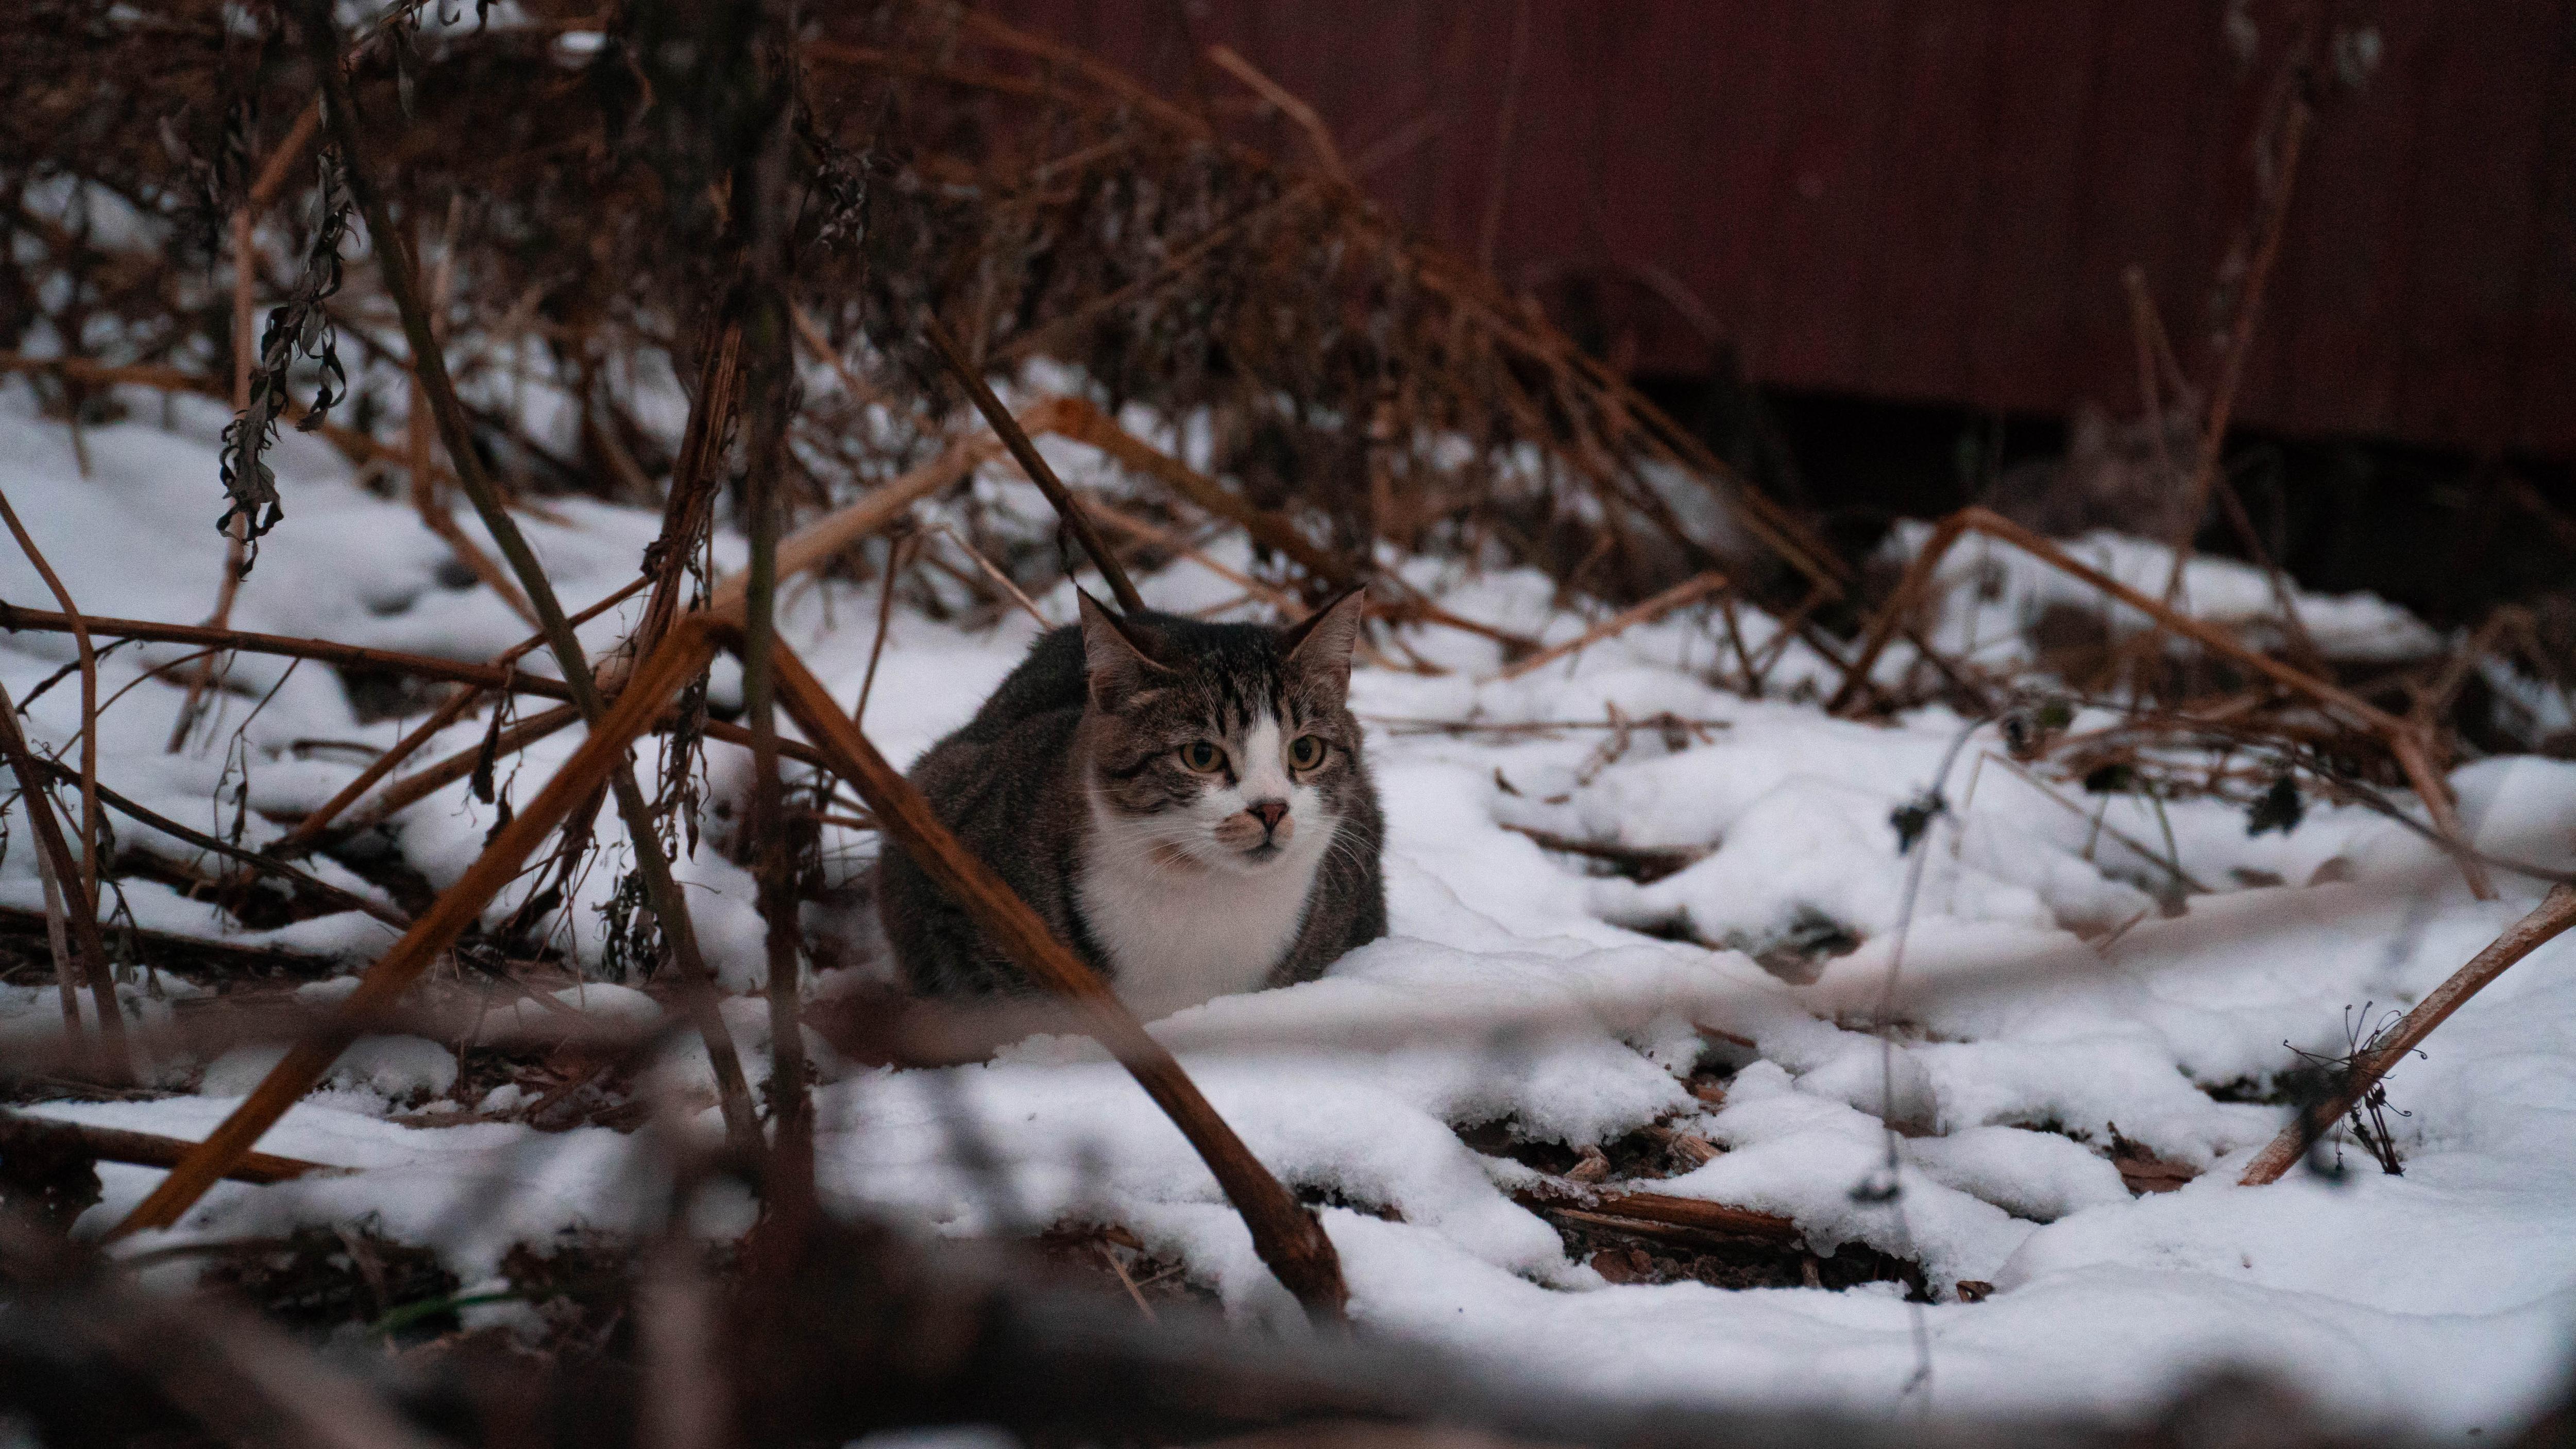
{"x": 21, "y": 1131}
{"x": 2555, "y": 914}
{"x": 1647, "y": 863}
{"x": 1663, "y": 1209}
{"x": 1687, "y": 592}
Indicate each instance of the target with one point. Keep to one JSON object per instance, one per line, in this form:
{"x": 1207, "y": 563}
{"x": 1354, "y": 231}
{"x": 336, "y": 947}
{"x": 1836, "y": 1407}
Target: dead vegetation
{"x": 911, "y": 197}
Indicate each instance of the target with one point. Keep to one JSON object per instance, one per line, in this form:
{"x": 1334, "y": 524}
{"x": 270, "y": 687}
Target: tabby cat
{"x": 1184, "y": 803}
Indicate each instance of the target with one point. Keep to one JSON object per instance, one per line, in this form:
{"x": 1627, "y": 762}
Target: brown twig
{"x": 2555, "y": 914}
{"x": 419, "y": 436}
{"x": 1689, "y": 591}
{"x": 898, "y": 553}
{"x": 261, "y": 864}
{"x": 86, "y": 878}
{"x": 1665, "y": 1209}
{"x": 310, "y": 828}
{"x": 1024, "y": 452}
{"x": 1320, "y": 137}
{"x": 80, "y": 913}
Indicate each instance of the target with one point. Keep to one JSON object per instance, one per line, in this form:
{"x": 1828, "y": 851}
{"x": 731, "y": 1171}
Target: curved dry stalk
{"x": 2553, "y": 917}
{"x": 79, "y": 915}
{"x": 1025, "y": 453}
{"x": 87, "y": 876}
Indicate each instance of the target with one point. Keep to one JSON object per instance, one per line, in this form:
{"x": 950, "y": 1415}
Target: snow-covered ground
{"x": 2046, "y": 995}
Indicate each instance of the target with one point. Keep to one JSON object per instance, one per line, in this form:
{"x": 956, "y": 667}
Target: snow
{"x": 2046, "y": 993}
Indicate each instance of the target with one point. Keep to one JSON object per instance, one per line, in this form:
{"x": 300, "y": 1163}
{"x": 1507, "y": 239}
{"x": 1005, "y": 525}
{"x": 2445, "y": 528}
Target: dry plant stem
{"x": 1664, "y": 1208}
{"x": 819, "y": 542}
{"x": 2555, "y": 914}
{"x": 1172, "y": 268}
{"x": 2150, "y": 334}
{"x": 1287, "y": 1237}
{"x": 422, "y": 783}
{"x": 811, "y": 334}
{"x": 1689, "y": 591}
{"x": 2240, "y": 343}
{"x": 79, "y": 916}
{"x": 1082, "y": 422}
{"x": 1165, "y": 539}
{"x": 492, "y": 677}
{"x": 1327, "y": 155}
{"x": 679, "y": 659}
{"x": 1492, "y": 228}
{"x": 898, "y": 554}
{"x": 419, "y": 785}
{"x": 310, "y": 828}
{"x": 2130, "y": 842}
{"x": 142, "y": 1149}
{"x": 691, "y": 502}
{"x": 402, "y": 282}
{"x": 345, "y": 899}
{"x": 990, "y": 570}
{"x": 245, "y": 274}
{"x": 58, "y": 942}
{"x": 419, "y": 445}
{"x": 2403, "y": 740}
{"x": 87, "y": 875}
{"x": 1025, "y": 453}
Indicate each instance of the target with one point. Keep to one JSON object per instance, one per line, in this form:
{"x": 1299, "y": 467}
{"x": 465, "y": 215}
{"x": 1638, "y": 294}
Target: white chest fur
{"x": 1180, "y": 934}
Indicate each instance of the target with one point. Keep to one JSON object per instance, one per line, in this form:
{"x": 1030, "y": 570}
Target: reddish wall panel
{"x": 1937, "y": 198}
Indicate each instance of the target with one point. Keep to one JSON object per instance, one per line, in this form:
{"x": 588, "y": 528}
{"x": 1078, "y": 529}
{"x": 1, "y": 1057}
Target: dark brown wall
{"x": 1936, "y": 199}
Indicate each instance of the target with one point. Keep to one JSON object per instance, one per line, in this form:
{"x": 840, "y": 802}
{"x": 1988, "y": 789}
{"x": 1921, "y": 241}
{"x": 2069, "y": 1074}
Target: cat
{"x": 1185, "y": 804}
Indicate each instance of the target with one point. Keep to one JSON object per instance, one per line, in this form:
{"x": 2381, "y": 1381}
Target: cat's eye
{"x": 1305, "y": 752}
{"x": 1201, "y": 756}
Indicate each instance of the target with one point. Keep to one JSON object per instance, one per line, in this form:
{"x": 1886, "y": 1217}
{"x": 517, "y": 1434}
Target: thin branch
{"x": 87, "y": 876}
{"x": 1689, "y": 591}
{"x": 80, "y": 916}
{"x": 2555, "y": 914}
{"x": 1025, "y": 452}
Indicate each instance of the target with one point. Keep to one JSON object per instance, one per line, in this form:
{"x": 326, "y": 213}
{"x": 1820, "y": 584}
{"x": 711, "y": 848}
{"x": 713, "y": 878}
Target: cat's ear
{"x": 1114, "y": 663}
{"x": 1321, "y": 644}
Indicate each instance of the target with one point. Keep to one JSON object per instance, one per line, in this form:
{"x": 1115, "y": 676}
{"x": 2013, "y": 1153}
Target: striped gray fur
{"x": 1186, "y": 804}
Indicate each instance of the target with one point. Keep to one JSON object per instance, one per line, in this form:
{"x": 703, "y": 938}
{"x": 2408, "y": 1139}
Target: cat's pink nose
{"x": 1269, "y": 812}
